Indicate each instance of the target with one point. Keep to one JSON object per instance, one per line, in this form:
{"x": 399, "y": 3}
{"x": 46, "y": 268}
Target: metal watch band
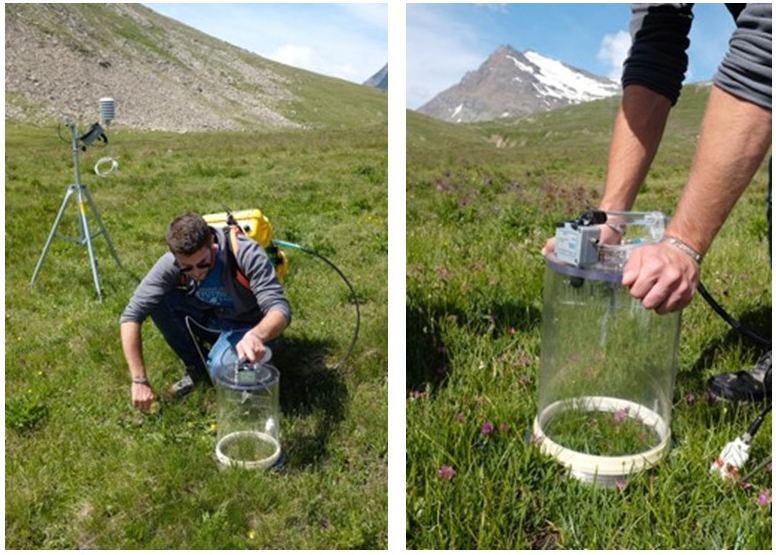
{"x": 140, "y": 380}
{"x": 670, "y": 239}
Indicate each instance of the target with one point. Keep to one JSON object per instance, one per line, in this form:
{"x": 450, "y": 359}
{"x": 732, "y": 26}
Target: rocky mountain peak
{"x": 510, "y": 83}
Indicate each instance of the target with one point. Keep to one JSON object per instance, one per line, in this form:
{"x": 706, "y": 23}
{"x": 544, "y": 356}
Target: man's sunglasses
{"x": 200, "y": 265}
{"x": 203, "y": 265}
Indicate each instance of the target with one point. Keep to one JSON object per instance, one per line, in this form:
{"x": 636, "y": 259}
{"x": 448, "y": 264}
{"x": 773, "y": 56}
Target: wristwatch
{"x": 687, "y": 249}
{"x": 143, "y": 381}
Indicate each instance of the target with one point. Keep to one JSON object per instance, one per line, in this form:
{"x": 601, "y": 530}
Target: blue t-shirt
{"x": 211, "y": 290}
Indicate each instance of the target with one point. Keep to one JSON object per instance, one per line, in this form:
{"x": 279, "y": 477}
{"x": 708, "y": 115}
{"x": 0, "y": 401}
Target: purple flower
{"x": 459, "y": 417}
{"x": 487, "y": 428}
{"x": 620, "y": 415}
{"x": 504, "y": 427}
{"x": 690, "y": 398}
{"x": 524, "y": 379}
{"x": 764, "y": 498}
{"x": 621, "y": 484}
{"x": 446, "y": 472}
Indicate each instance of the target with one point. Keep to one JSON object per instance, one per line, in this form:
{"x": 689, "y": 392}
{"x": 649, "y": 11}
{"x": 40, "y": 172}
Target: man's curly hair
{"x": 187, "y": 234}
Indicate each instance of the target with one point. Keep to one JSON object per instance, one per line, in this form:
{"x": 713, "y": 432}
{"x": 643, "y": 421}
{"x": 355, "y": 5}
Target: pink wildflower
{"x": 459, "y": 417}
{"x": 690, "y": 398}
{"x": 487, "y": 428}
{"x": 764, "y": 498}
{"x": 620, "y": 415}
{"x": 504, "y": 427}
{"x": 621, "y": 484}
{"x": 446, "y": 472}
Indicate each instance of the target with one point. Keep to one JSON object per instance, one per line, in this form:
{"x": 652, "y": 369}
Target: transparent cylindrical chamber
{"x": 607, "y": 375}
{"x": 248, "y": 401}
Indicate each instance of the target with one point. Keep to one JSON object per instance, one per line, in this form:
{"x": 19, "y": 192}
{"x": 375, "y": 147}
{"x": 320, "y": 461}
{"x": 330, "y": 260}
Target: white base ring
{"x": 251, "y": 465}
{"x": 604, "y": 470}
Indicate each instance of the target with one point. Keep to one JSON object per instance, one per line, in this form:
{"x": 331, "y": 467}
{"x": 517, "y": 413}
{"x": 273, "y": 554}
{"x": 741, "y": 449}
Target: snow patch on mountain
{"x": 563, "y": 81}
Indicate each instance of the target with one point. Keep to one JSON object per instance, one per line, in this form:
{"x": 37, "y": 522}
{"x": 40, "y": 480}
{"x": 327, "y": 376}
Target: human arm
{"x": 636, "y": 136}
{"x": 270, "y": 298}
{"x": 735, "y": 137}
{"x": 253, "y": 344}
{"x": 132, "y": 344}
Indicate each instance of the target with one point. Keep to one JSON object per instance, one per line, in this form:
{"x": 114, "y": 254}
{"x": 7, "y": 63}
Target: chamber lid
{"x": 244, "y": 375}
{"x": 592, "y": 273}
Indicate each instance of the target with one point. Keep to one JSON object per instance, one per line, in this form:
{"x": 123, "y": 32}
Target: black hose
{"x": 347, "y": 282}
{"x": 743, "y": 330}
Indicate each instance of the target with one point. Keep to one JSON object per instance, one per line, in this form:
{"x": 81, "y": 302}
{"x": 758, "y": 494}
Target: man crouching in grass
{"x": 205, "y": 290}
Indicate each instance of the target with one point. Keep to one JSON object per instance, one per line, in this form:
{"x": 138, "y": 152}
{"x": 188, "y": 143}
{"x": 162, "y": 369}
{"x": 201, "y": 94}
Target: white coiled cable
{"x": 114, "y": 165}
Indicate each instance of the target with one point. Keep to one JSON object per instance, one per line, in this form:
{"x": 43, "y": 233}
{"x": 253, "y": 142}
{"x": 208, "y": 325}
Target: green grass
{"x": 84, "y": 469}
{"x": 477, "y": 217}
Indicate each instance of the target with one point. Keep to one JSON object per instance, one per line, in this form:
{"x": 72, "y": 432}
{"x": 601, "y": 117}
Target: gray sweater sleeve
{"x": 746, "y": 69}
{"x": 265, "y": 286}
{"x": 162, "y": 278}
{"x": 660, "y": 38}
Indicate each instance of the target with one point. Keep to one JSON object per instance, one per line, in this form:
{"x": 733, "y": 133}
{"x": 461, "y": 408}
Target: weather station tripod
{"x": 80, "y": 193}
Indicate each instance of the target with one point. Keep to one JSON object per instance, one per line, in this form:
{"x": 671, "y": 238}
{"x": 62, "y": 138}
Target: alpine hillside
{"x": 61, "y": 58}
{"x": 512, "y": 84}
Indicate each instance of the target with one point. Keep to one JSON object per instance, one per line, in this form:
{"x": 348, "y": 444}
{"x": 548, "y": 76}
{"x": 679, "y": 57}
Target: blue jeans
{"x": 223, "y": 335}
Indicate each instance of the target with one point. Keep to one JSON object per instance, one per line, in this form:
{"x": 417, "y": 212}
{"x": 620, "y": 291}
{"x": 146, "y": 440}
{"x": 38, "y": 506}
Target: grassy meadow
{"x": 86, "y": 470}
{"x": 481, "y": 201}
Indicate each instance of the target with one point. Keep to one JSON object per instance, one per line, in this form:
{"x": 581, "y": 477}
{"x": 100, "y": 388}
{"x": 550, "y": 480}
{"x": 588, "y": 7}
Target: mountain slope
{"x": 61, "y": 58}
{"x": 510, "y": 84}
{"x": 379, "y": 80}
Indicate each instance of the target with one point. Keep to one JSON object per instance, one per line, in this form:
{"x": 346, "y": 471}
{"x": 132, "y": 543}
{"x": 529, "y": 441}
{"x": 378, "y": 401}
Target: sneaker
{"x": 194, "y": 375}
{"x": 181, "y": 388}
{"x": 745, "y": 385}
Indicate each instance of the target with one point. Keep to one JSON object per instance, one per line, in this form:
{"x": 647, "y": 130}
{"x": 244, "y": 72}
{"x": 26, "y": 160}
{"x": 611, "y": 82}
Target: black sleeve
{"x": 746, "y": 69}
{"x": 658, "y": 55}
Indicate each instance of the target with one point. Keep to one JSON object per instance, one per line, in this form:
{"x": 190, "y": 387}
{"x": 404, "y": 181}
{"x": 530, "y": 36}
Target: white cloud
{"x": 293, "y": 55}
{"x": 613, "y": 51}
{"x": 440, "y": 50}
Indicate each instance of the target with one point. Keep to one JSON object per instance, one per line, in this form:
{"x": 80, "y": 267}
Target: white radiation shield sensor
{"x": 107, "y": 110}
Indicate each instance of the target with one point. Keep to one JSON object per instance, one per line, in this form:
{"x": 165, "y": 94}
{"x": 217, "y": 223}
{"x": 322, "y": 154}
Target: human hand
{"x": 251, "y": 348}
{"x": 142, "y": 396}
{"x": 662, "y": 277}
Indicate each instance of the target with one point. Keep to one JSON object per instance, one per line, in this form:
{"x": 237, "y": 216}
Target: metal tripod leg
{"x": 86, "y": 237}
{"x": 70, "y": 190}
{"x": 103, "y": 230}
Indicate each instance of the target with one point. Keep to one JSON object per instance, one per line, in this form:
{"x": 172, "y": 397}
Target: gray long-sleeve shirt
{"x": 658, "y": 59}
{"x": 250, "y": 306}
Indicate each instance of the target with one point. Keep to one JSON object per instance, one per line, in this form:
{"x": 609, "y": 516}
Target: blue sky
{"x": 444, "y": 41}
{"x": 349, "y": 41}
